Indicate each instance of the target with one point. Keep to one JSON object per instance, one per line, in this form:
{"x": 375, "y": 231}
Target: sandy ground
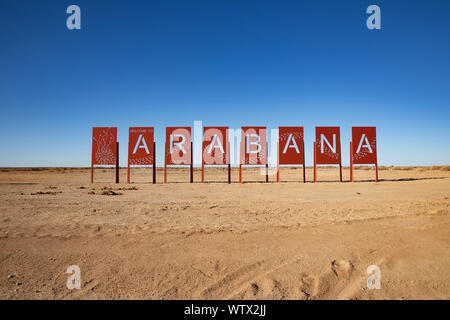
{"x": 217, "y": 241}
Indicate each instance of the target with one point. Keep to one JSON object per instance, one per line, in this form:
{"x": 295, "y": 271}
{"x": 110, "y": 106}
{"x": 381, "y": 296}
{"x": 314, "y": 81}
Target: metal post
{"x": 154, "y": 162}
{"x": 92, "y": 159}
{"x": 192, "y": 164}
{"x": 117, "y": 163}
{"x": 315, "y": 163}
{"x": 165, "y": 163}
{"x": 240, "y": 173}
{"x": 351, "y": 161}
{"x": 128, "y": 162}
{"x": 278, "y": 160}
{"x": 304, "y": 169}
{"x": 376, "y": 166}
{"x": 203, "y": 171}
{"x": 229, "y": 162}
{"x": 340, "y": 163}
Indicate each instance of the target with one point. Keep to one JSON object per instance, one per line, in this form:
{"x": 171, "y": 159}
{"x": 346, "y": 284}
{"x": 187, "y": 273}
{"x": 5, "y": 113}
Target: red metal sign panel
{"x": 104, "y": 145}
{"x": 253, "y": 145}
{"x": 290, "y": 145}
{"x": 215, "y": 146}
{"x": 140, "y": 146}
{"x": 328, "y": 145}
{"x": 364, "y": 145}
{"x": 178, "y": 145}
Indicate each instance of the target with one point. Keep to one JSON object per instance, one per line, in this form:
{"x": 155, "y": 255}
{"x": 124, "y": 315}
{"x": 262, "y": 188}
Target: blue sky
{"x": 231, "y": 63}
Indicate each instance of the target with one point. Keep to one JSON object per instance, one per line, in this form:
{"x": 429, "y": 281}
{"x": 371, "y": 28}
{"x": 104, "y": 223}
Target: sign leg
{"x": 165, "y": 172}
{"x": 240, "y": 173}
{"x": 304, "y": 169}
{"x": 351, "y": 161}
{"x": 229, "y": 163}
{"x": 165, "y": 163}
{"x": 376, "y": 167}
{"x": 315, "y": 163}
{"x": 117, "y": 164}
{"x": 203, "y": 172}
{"x": 278, "y": 161}
{"x": 192, "y": 164}
{"x": 92, "y": 158}
{"x": 340, "y": 164}
{"x": 267, "y": 162}
{"x": 154, "y": 162}
{"x": 128, "y": 173}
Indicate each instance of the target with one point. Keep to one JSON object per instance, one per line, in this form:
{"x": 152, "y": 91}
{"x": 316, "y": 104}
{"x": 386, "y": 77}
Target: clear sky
{"x": 224, "y": 62}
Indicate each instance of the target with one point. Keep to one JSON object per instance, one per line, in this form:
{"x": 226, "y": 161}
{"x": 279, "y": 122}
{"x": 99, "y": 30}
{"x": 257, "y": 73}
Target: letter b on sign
{"x": 253, "y": 145}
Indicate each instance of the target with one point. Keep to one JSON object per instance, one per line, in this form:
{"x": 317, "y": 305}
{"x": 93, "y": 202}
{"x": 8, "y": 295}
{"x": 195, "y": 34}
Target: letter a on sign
{"x": 364, "y": 141}
{"x": 215, "y": 146}
{"x": 104, "y": 145}
{"x": 290, "y": 145}
{"x": 178, "y": 146}
{"x": 140, "y": 146}
{"x": 328, "y": 145}
{"x": 253, "y": 146}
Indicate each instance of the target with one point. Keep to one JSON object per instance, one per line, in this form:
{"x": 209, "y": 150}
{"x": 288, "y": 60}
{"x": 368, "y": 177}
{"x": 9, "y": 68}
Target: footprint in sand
{"x": 342, "y": 268}
{"x": 309, "y": 286}
{"x": 337, "y": 282}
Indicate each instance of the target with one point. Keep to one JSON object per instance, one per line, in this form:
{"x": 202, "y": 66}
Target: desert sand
{"x": 255, "y": 240}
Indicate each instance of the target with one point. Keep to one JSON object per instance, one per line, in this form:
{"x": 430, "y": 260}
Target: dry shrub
{"x": 364, "y": 167}
{"x": 441, "y": 168}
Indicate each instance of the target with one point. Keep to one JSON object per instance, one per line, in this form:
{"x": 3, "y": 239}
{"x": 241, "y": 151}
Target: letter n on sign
{"x": 327, "y": 148}
{"x": 141, "y": 147}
